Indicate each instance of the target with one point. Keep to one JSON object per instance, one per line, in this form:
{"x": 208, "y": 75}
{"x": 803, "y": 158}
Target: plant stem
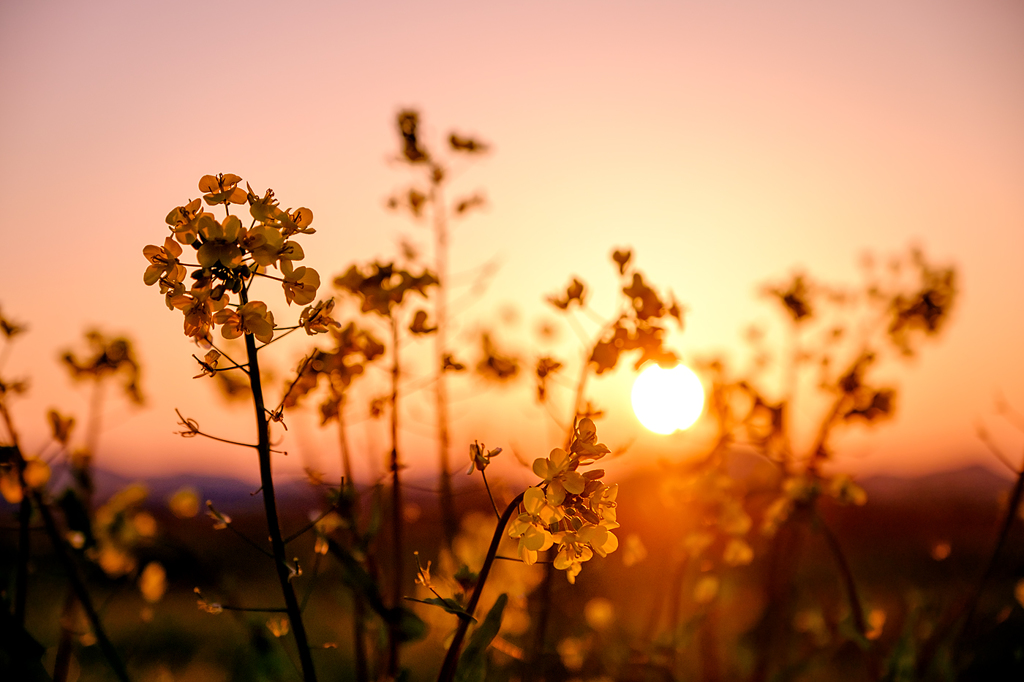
{"x": 396, "y": 505}
{"x": 448, "y": 520}
{"x": 270, "y": 507}
{"x": 24, "y": 518}
{"x": 1004, "y": 532}
{"x": 451, "y": 659}
{"x": 358, "y": 603}
{"x": 78, "y": 588}
{"x": 847, "y": 575}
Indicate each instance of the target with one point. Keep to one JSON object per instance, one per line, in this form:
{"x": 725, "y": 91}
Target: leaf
{"x": 449, "y": 605}
{"x": 473, "y": 662}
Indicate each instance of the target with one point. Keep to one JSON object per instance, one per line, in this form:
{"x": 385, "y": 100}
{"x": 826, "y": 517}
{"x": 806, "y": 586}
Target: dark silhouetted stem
{"x": 1004, "y": 532}
{"x": 846, "y": 574}
{"x": 396, "y": 505}
{"x": 270, "y": 507}
{"x": 79, "y": 589}
{"x": 24, "y": 517}
{"x": 448, "y": 519}
{"x": 451, "y": 659}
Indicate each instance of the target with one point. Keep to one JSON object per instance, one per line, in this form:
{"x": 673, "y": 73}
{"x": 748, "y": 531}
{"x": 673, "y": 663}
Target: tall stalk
{"x": 270, "y": 508}
{"x": 451, "y": 659}
{"x": 448, "y": 519}
{"x": 396, "y": 504}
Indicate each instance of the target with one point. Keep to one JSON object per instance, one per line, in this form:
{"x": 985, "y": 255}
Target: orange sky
{"x": 728, "y": 143}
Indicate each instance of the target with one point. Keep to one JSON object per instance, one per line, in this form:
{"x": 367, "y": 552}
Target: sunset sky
{"x": 729, "y": 144}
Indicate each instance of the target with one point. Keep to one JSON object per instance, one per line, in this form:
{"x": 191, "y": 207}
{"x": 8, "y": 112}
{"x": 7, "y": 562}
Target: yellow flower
{"x": 184, "y": 503}
{"x": 183, "y": 221}
{"x": 265, "y": 243}
{"x": 559, "y": 472}
{"x": 198, "y": 306}
{"x": 316, "y": 319}
{"x": 163, "y": 260}
{"x": 531, "y": 526}
{"x": 297, "y": 221}
{"x": 220, "y": 242}
{"x": 222, "y": 189}
{"x": 572, "y": 552}
{"x": 480, "y": 457}
{"x": 252, "y": 318}
{"x": 300, "y": 284}
{"x": 603, "y": 504}
{"x": 153, "y": 582}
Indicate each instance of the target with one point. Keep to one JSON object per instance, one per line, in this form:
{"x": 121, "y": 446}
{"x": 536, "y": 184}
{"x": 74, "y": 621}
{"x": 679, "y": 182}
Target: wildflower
{"x": 252, "y": 318}
{"x": 264, "y": 242}
{"x": 531, "y": 527}
{"x": 572, "y": 552}
{"x": 208, "y": 364}
{"x": 585, "y": 444}
{"x": 297, "y": 221}
{"x": 36, "y": 473}
{"x": 278, "y": 626}
{"x": 183, "y": 221}
{"x": 316, "y": 319}
{"x": 184, "y": 503}
{"x": 422, "y": 574}
{"x": 61, "y": 426}
{"x": 163, "y": 263}
{"x": 153, "y": 582}
{"x": 222, "y": 189}
{"x": 208, "y": 607}
{"x": 299, "y": 284}
{"x": 478, "y": 458}
{"x": 558, "y": 471}
{"x": 220, "y": 242}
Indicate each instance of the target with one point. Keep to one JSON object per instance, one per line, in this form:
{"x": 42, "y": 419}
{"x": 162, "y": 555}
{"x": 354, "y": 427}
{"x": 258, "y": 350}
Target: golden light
{"x": 667, "y": 400}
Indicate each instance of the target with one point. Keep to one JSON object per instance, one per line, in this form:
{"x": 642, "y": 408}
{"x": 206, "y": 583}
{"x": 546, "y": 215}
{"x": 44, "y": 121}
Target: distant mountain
{"x": 974, "y": 482}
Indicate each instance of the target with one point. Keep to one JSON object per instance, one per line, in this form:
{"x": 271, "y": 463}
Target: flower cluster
{"x": 228, "y": 256}
{"x": 570, "y": 511}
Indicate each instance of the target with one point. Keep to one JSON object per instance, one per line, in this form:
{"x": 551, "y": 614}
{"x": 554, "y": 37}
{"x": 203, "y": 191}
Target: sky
{"x": 729, "y": 144}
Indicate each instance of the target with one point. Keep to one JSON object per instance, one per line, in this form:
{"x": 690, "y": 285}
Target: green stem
{"x": 270, "y": 507}
{"x": 451, "y": 659}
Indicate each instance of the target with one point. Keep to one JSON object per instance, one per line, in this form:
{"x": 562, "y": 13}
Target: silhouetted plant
{"x": 426, "y": 199}
{"x": 24, "y": 481}
{"x": 230, "y": 258}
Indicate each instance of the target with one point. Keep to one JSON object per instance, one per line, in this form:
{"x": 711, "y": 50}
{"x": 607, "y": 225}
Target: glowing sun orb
{"x": 667, "y": 400}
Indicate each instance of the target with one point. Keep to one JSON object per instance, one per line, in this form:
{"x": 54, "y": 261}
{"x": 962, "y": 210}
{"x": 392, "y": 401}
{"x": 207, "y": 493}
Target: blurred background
{"x": 729, "y": 144}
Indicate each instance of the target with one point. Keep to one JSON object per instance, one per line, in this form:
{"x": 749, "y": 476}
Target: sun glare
{"x": 667, "y": 400}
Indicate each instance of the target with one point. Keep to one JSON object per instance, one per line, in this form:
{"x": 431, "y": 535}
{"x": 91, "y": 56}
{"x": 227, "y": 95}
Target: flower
{"x": 560, "y": 475}
{"x": 163, "y": 260}
{"x": 531, "y": 527}
{"x": 183, "y": 221}
{"x": 222, "y": 189}
{"x": 297, "y": 221}
{"x": 220, "y": 242}
{"x": 316, "y": 319}
{"x": 252, "y": 318}
{"x": 479, "y": 458}
{"x": 300, "y": 284}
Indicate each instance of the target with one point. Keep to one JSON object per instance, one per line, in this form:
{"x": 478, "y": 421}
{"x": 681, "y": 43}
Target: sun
{"x": 667, "y": 400}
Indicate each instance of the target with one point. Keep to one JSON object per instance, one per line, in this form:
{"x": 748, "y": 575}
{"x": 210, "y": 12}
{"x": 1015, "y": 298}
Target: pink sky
{"x": 728, "y": 143}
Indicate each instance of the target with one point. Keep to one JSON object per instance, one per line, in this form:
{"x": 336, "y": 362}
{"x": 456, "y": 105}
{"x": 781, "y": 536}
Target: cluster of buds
{"x": 228, "y": 256}
{"x": 569, "y": 510}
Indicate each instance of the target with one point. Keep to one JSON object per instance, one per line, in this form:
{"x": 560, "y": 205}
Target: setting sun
{"x": 667, "y": 400}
